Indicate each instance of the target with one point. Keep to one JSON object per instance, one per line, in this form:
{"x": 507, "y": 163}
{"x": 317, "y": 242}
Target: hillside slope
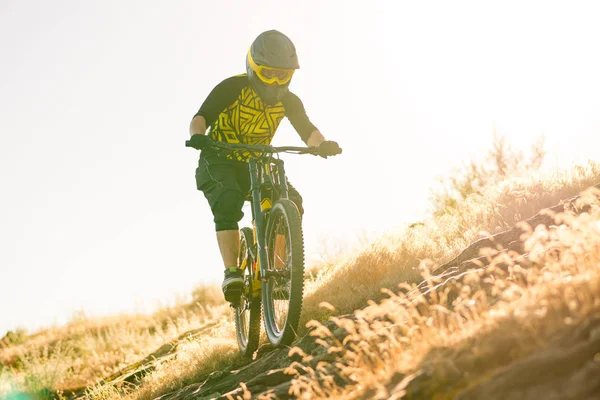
{"x": 522, "y": 321}
{"x": 434, "y": 311}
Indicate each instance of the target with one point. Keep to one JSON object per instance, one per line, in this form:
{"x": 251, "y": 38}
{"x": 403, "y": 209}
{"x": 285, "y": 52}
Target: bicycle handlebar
{"x": 261, "y": 148}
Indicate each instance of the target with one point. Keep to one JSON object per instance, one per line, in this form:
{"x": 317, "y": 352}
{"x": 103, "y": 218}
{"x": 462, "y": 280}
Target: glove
{"x": 329, "y": 148}
{"x": 198, "y": 141}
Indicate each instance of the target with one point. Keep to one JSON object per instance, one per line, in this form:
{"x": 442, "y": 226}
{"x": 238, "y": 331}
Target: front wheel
{"x": 283, "y": 285}
{"x": 247, "y": 311}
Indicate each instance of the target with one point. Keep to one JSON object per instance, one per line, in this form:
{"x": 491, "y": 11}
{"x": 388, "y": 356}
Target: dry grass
{"x": 195, "y": 359}
{"x": 443, "y": 345}
{"x": 89, "y": 349}
{"x": 394, "y": 344}
{"x": 396, "y": 257}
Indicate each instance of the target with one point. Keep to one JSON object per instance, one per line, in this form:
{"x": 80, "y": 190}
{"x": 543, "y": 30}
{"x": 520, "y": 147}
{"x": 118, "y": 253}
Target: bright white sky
{"x": 98, "y": 207}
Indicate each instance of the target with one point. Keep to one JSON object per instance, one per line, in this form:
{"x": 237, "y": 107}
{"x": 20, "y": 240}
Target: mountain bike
{"x": 271, "y": 253}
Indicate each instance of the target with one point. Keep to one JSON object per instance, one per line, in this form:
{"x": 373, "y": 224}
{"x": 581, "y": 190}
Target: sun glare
{"x": 409, "y": 90}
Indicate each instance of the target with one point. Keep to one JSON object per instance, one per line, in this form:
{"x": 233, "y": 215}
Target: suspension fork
{"x": 279, "y": 173}
{"x": 257, "y": 176}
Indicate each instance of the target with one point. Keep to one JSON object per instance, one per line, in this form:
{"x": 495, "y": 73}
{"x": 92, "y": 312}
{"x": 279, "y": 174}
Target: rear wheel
{"x": 247, "y": 311}
{"x": 283, "y": 285}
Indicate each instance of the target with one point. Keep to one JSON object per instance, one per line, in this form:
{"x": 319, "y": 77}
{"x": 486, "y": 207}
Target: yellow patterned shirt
{"x": 236, "y": 114}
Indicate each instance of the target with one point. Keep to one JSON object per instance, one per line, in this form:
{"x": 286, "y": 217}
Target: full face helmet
{"x": 270, "y": 64}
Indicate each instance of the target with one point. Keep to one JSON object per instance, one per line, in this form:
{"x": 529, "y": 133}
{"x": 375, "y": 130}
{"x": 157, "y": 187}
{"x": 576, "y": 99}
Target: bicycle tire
{"x": 284, "y": 218}
{"x": 248, "y": 311}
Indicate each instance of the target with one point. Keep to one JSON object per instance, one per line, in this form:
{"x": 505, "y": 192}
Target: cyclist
{"x": 247, "y": 109}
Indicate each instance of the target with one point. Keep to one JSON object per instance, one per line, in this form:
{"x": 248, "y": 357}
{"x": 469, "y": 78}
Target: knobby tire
{"x": 281, "y": 329}
{"x": 248, "y": 311}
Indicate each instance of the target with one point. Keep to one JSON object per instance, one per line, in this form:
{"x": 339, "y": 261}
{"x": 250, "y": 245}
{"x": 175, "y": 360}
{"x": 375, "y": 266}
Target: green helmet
{"x": 270, "y": 64}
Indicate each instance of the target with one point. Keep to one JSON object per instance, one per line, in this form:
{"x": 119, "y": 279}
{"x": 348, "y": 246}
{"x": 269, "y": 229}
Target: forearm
{"x": 315, "y": 139}
{"x": 198, "y": 126}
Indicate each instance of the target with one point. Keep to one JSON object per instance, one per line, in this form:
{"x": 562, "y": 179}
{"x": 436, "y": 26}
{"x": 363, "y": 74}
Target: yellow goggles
{"x": 270, "y": 75}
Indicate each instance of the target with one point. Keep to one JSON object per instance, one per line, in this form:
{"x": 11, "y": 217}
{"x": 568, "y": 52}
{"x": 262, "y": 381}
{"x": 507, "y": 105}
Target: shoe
{"x": 233, "y": 284}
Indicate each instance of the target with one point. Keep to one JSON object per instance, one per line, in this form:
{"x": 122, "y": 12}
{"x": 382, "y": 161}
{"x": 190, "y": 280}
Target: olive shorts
{"x": 226, "y": 185}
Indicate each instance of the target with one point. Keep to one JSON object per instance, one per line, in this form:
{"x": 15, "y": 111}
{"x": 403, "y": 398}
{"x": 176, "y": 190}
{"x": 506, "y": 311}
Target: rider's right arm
{"x": 221, "y": 97}
{"x": 198, "y": 125}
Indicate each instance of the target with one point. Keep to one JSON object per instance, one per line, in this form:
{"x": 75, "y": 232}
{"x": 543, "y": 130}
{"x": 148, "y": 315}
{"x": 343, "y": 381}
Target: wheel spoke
{"x": 280, "y": 260}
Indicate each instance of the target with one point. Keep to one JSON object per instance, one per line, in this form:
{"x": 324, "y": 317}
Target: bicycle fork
{"x": 259, "y": 208}
{"x": 264, "y": 178}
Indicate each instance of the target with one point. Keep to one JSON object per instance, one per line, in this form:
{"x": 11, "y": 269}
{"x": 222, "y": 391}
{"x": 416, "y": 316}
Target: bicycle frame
{"x": 271, "y": 210}
{"x": 265, "y": 175}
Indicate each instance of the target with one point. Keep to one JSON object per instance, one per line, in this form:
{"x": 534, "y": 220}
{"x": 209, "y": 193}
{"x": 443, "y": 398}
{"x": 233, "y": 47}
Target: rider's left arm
{"x": 315, "y": 139}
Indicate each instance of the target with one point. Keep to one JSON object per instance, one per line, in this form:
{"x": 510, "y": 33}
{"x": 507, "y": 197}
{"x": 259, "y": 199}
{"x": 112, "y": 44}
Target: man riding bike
{"x": 247, "y": 109}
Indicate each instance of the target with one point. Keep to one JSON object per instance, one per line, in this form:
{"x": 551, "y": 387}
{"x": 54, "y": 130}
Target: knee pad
{"x": 228, "y": 210}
